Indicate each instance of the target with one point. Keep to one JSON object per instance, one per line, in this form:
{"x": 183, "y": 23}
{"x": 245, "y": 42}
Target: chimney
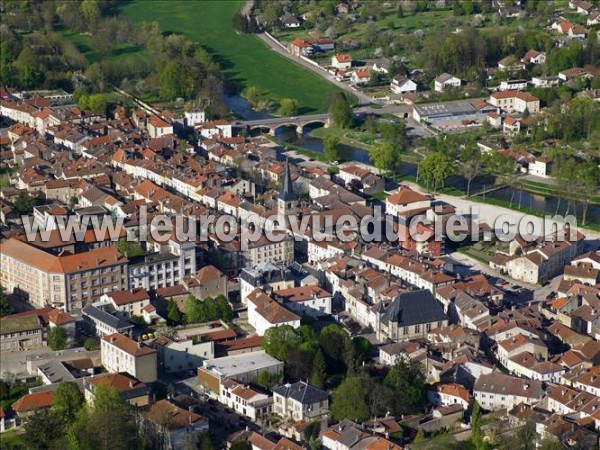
{"x": 131, "y": 383}
{"x": 139, "y": 344}
{"x": 190, "y": 414}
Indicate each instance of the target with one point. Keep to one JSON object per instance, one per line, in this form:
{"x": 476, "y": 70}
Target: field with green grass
{"x": 120, "y": 53}
{"x": 245, "y": 59}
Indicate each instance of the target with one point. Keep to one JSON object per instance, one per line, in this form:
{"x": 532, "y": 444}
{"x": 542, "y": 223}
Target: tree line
{"x": 38, "y": 51}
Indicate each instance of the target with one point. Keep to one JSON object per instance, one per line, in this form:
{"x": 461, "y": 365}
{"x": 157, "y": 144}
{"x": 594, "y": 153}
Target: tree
{"x": 331, "y": 148}
{"x": 90, "y": 10}
{"x": 406, "y": 380}
{"x": 419, "y": 437}
{"x": 252, "y": 94}
{"x": 5, "y": 307}
{"x": 386, "y": 156}
{"x": 57, "y": 338}
{"x": 176, "y": 81}
{"x": 435, "y": 168}
{"x": 332, "y": 341}
{"x": 470, "y": 159}
{"x": 268, "y": 380}
{"x": 362, "y": 349}
{"x": 288, "y": 107}
{"x": 349, "y": 358}
{"x": 4, "y": 390}
{"x": 106, "y": 424}
{"x": 97, "y": 103}
{"x": 224, "y": 309}
{"x": 173, "y": 313}
{"x": 476, "y": 432}
{"x": 91, "y": 344}
{"x": 318, "y": 374}
{"x": 240, "y": 445}
{"x": 43, "y": 430}
{"x": 341, "y": 113}
{"x": 68, "y": 400}
{"x": 349, "y": 401}
{"x": 279, "y": 341}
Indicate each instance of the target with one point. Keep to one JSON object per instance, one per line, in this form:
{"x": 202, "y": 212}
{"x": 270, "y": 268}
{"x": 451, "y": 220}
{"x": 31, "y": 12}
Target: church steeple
{"x": 286, "y": 200}
{"x": 287, "y": 194}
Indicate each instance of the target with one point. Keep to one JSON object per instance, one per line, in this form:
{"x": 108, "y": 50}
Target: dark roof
{"x": 287, "y": 194}
{"x": 416, "y": 307}
{"x": 302, "y": 392}
{"x": 104, "y": 317}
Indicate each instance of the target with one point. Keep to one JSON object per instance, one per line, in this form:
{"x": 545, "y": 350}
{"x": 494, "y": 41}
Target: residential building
{"x": 157, "y": 127}
{"x": 245, "y": 400}
{"x": 130, "y": 389}
{"x": 127, "y": 303}
{"x": 541, "y": 167}
{"x": 402, "y": 85}
{"x": 341, "y": 61}
{"x": 404, "y": 200}
{"x": 266, "y": 276}
{"x": 264, "y": 312}
{"x": 499, "y": 391}
{"x": 360, "y": 76}
{"x": 311, "y": 300}
{"x": 446, "y": 80}
{"x": 450, "y": 394}
{"x": 300, "y": 401}
{"x": 175, "y": 425}
{"x": 515, "y": 101}
{"x": 120, "y": 353}
{"x": 21, "y": 333}
{"x": 67, "y": 281}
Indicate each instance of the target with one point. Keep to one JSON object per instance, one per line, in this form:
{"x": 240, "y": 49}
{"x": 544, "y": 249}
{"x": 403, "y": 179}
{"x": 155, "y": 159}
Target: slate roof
{"x": 100, "y": 315}
{"x": 302, "y": 392}
{"x": 416, "y": 307}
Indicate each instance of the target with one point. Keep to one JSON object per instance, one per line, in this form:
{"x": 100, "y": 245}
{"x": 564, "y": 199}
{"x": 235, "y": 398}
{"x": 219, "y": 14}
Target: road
{"x": 362, "y": 98}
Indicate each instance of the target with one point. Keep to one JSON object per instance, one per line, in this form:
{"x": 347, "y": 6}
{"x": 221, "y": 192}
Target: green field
{"x": 120, "y": 53}
{"x": 245, "y": 59}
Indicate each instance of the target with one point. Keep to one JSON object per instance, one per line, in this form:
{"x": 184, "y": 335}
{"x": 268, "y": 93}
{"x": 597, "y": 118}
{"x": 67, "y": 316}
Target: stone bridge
{"x": 273, "y": 123}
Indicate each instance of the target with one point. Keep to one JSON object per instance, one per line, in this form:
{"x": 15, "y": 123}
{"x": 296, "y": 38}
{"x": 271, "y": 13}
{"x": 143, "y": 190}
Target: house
{"x": 265, "y": 275}
{"x": 402, "y": 85}
{"x": 128, "y": 303}
{"x": 157, "y": 127}
{"x": 363, "y": 177}
{"x": 120, "y": 353}
{"x": 264, "y": 312}
{"x": 499, "y": 391}
{"x": 510, "y": 64}
{"x": 299, "y": 47}
{"x": 209, "y": 282}
{"x": 360, "y": 76}
{"x": 495, "y": 120}
{"x": 450, "y": 394}
{"x": 177, "y": 426}
{"x": 446, "y": 80}
{"x": 382, "y": 65}
{"x": 575, "y": 73}
{"x": 300, "y": 401}
{"x": 544, "y": 81}
{"x": 541, "y": 167}
{"x": 390, "y": 354}
{"x": 511, "y": 126}
{"x": 244, "y": 368}
{"x": 30, "y": 404}
{"x": 308, "y": 299}
{"x": 581, "y": 7}
{"x": 289, "y": 21}
{"x": 322, "y": 44}
{"x": 130, "y": 389}
{"x": 341, "y": 61}
{"x": 245, "y": 400}
{"x": 534, "y": 57}
{"x": 404, "y": 200}
{"x": 593, "y": 18}
{"x": 510, "y": 85}
{"x": 515, "y": 101}
{"x": 411, "y": 315}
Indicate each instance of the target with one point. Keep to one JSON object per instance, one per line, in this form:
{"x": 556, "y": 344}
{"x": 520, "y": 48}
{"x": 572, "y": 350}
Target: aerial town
{"x": 287, "y": 225}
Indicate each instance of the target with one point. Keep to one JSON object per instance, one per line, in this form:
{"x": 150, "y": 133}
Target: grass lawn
{"x": 245, "y": 59}
{"x": 120, "y": 53}
{"x": 12, "y": 439}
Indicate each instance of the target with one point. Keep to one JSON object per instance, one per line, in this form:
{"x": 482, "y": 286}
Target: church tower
{"x": 286, "y": 201}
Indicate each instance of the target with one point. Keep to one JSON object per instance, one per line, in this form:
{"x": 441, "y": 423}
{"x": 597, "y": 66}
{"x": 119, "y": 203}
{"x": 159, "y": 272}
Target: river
{"x": 543, "y": 203}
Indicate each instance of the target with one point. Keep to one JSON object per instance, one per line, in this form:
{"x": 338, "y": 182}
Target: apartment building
{"x": 245, "y": 400}
{"x": 67, "y": 282}
{"x": 20, "y": 333}
{"x": 120, "y": 353}
{"x": 300, "y": 401}
{"x": 515, "y": 101}
{"x": 176, "y": 353}
{"x": 499, "y": 391}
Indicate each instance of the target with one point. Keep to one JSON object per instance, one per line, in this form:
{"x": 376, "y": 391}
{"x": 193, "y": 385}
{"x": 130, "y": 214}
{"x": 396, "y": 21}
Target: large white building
{"x": 499, "y": 391}
{"x": 300, "y": 401}
{"x": 120, "y": 353}
{"x": 265, "y": 312}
